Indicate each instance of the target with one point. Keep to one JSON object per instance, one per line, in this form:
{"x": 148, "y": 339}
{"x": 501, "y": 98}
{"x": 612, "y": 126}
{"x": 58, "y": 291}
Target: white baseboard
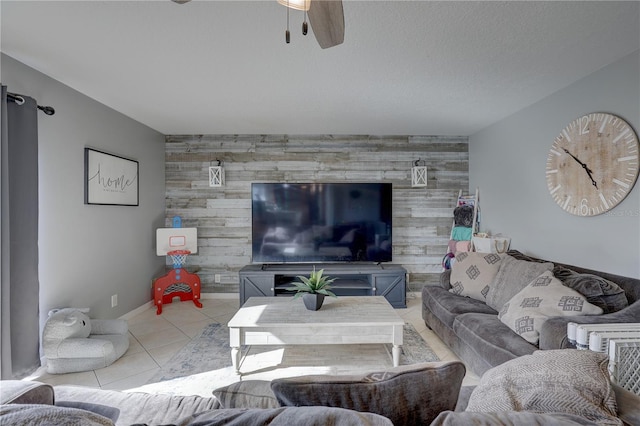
{"x": 137, "y": 311}
{"x": 150, "y": 304}
{"x": 220, "y": 296}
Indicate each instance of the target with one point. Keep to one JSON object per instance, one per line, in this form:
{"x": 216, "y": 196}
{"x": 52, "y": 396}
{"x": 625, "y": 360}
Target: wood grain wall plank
{"x": 422, "y": 217}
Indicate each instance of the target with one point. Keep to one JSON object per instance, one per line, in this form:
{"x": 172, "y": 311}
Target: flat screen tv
{"x": 321, "y": 222}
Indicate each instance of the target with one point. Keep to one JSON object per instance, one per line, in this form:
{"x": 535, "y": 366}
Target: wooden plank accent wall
{"x": 422, "y": 217}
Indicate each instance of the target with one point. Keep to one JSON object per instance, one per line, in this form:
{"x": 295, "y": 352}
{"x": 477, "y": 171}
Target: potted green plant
{"x": 313, "y": 289}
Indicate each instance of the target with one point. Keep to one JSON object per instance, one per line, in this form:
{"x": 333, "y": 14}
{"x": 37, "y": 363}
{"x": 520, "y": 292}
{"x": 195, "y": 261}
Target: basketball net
{"x": 179, "y": 257}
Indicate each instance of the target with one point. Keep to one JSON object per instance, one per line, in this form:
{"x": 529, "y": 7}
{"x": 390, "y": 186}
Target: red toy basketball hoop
{"x": 178, "y": 257}
{"x": 177, "y": 283}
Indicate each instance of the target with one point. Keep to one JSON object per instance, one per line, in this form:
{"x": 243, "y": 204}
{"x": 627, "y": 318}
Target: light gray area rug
{"x": 205, "y": 363}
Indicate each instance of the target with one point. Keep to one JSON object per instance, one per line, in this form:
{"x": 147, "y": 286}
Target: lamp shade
{"x": 296, "y": 4}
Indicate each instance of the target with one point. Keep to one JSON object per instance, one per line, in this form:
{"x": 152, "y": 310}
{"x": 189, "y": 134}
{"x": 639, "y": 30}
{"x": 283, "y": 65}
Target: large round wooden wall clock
{"x": 593, "y": 164}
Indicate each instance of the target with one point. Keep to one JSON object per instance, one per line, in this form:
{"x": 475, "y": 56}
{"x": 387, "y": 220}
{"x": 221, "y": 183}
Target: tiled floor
{"x": 154, "y": 339}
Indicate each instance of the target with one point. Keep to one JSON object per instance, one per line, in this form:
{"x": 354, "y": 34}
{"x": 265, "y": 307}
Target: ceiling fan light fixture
{"x": 296, "y": 4}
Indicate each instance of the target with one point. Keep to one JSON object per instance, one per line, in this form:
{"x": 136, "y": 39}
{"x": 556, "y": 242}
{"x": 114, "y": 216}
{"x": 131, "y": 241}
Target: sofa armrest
{"x": 553, "y": 334}
{"x": 444, "y": 280}
{"x": 137, "y": 407}
{"x": 25, "y": 392}
{"x": 628, "y": 406}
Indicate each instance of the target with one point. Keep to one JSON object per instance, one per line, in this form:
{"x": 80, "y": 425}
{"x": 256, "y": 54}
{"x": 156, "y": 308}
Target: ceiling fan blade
{"x": 327, "y": 21}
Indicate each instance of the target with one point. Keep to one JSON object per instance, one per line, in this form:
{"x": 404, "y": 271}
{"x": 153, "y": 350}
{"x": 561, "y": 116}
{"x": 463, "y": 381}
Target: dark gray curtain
{"x": 20, "y": 340}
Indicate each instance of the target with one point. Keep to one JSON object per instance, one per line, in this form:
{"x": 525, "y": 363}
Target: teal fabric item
{"x": 461, "y": 233}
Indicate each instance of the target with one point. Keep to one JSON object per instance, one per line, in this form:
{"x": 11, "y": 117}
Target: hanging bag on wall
{"x": 500, "y": 243}
{"x": 485, "y": 243}
{"x": 482, "y": 242}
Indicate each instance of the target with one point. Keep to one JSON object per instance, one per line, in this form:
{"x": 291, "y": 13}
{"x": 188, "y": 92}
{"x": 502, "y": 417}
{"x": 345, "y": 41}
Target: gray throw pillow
{"x": 568, "y": 381}
{"x": 407, "y": 395}
{"x": 601, "y": 292}
{"x": 247, "y": 394}
{"x": 513, "y": 275}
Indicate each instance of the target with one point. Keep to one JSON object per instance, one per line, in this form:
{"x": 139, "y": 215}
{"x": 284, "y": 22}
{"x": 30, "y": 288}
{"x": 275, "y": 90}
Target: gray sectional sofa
{"x": 474, "y": 332}
{"x": 411, "y": 395}
{"x": 520, "y": 384}
{"x": 522, "y": 391}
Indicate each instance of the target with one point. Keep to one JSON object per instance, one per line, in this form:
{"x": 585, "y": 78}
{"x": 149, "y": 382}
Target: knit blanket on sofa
{"x": 28, "y": 414}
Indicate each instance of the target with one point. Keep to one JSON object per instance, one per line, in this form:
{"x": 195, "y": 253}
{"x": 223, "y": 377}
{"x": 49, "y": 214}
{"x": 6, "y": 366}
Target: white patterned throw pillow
{"x": 544, "y": 297}
{"x": 472, "y": 273}
{"x": 513, "y": 275}
{"x": 566, "y": 381}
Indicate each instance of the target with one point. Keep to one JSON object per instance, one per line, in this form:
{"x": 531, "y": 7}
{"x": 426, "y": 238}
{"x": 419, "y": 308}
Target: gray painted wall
{"x": 422, "y": 217}
{"x": 507, "y": 161}
{"x": 87, "y": 252}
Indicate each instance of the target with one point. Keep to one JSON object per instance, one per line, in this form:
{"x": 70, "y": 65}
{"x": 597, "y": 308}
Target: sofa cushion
{"x": 565, "y": 381}
{"x": 472, "y": 274}
{"x": 286, "y": 416}
{"x": 513, "y": 275}
{"x": 543, "y": 298}
{"x": 447, "y": 306}
{"x": 37, "y": 414}
{"x": 628, "y": 403}
{"x": 407, "y": 395}
{"x": 139, "y": 407}
{"x": 247, "y": 394}
{"x": 450, "y": 418}
{"x": 598, "y": 291}
{"x": 111, "y": 413}
{"x": 490, "y": 339}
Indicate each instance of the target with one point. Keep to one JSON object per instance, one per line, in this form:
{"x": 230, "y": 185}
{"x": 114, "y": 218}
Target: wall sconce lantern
{"x": 418, "y": 175}
{"x": 216, "y": 175}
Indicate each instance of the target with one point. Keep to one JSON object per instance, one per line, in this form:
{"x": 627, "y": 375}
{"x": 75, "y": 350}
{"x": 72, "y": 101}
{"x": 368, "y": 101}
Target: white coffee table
{"x": 341, "y": 321}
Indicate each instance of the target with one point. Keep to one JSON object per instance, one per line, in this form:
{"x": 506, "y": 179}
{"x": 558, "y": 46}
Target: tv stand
{"x": 272, "y": 280}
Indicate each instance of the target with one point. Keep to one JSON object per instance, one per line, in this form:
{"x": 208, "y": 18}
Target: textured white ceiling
{"x": 406, "y": 67}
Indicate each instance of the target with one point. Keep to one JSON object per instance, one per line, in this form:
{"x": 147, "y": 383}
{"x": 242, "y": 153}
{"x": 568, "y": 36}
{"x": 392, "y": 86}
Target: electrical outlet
{"x": 114, "y": 300}
{"x": 216, "y": 278}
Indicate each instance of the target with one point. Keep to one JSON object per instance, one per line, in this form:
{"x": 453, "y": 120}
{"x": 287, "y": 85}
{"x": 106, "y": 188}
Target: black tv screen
{"x": 321, "y": 222}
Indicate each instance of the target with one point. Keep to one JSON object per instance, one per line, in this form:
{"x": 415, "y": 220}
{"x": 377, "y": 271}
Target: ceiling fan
{"x": 326, "y": 17}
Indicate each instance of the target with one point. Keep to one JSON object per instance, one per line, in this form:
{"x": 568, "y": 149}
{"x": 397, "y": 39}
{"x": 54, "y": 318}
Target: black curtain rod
{"x": 20, "y": 100}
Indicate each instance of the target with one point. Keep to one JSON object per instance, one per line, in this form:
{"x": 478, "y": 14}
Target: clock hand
{"x": 586, "y": 169}
{"x": 575, "y": 158}
{"x": 584, "y": 166}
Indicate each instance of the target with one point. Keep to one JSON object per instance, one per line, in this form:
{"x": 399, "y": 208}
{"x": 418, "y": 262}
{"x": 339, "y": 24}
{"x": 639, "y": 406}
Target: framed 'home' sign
{"x": 110, "y": 179}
